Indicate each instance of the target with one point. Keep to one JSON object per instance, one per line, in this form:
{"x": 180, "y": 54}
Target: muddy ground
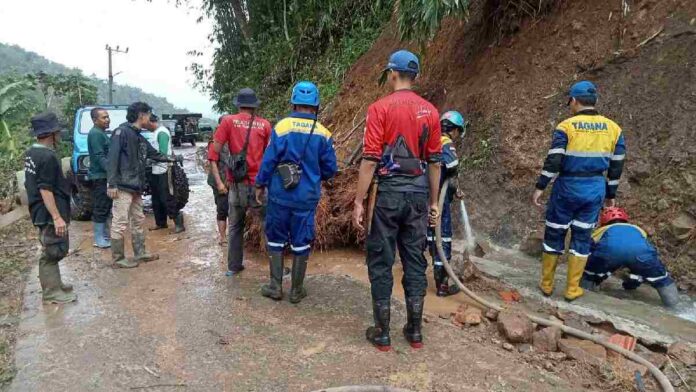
{"x": 178, "y": 324}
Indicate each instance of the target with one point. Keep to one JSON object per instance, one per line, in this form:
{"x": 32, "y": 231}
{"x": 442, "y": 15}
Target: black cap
{"x": 246, "y": 98}
{"x": 44, "y": 124}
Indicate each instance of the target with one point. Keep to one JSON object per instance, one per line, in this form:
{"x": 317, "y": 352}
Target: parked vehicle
{"x": 183, "y": 127}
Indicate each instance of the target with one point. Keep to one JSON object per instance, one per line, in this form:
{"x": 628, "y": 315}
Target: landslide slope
{"x": 512, "y": 89}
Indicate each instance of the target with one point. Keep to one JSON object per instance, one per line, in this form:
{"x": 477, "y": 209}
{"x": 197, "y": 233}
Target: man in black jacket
{"x": 126, "y": 179}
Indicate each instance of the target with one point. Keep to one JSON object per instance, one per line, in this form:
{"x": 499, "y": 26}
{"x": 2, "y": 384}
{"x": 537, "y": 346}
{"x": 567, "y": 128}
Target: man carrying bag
{"x": 246, "y": 136}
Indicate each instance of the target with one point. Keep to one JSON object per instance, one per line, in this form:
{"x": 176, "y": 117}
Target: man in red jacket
{"x": 402, "y": 144}
{"x": 246, "y": 135}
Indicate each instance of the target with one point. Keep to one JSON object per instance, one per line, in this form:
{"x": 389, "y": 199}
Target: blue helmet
{"x": 454, "y": 117}
{"x": 305, "y": 93}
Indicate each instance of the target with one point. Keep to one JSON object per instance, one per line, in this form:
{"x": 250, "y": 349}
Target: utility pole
{"x": 111, "y": 75}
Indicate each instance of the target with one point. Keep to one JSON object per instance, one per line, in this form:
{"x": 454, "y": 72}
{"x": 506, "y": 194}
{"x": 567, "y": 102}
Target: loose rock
{"x": 516, "y": 327}
{"x": 508, "y": 346}
{"x": 583, "y": 350}
{"x": 491, "y": 314}
{"x": 547, "y": 339}
{"x": 682, "y": 352}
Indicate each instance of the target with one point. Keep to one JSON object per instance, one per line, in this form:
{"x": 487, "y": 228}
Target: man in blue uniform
{"x": 583, "y": 148}
{"x": 299, "y": 156}
{"x": 453, "y": 128}
{"x": 618, "y": 244}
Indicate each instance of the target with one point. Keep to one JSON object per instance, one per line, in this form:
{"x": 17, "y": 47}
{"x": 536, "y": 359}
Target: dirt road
{"x": 178, "y": 324}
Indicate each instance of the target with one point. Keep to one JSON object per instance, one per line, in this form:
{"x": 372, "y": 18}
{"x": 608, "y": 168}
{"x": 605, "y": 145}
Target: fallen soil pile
{"x": 512, "y": 90}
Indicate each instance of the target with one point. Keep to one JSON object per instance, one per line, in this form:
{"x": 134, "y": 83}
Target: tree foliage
{"x": 270, "y": 44}
{"x": 420, "y": 19}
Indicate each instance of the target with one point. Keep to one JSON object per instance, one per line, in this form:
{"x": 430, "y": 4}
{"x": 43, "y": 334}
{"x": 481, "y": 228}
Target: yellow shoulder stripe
{"x": 597, "y": 234}
{"x": 444, "y": 139}
{"x": 300, "y": 125}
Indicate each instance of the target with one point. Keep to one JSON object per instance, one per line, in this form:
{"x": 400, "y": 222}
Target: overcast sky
{"x": 158, "y": 35}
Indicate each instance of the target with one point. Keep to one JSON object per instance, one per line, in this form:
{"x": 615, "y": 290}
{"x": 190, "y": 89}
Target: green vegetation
{"x": 420, "y": 19}
{"x": 16, "y": 61}
{"x": 269, "y": 45}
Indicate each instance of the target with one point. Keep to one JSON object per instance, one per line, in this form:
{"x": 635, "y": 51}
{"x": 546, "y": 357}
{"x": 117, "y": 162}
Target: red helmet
{"x": 612, "y": 213}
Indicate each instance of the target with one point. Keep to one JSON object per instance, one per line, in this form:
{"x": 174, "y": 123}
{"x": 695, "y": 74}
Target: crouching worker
{"x": 453, "y": 126}
{"x": 126, "y": 179}
{"x": 299, "y": 156}
{"x": 619, "y": 244}
{"x": 49, "y": 204}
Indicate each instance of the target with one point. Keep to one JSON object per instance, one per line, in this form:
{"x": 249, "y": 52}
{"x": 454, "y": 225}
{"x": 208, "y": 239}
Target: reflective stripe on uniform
{"x": 601, "y": 275}
{"x": 613, "y": 182}
{"x": 550, "y": 249}
{"x": 557, "y": 151}
{"x": 452, "y": 164}
{"x": 582, "y": 225}
{"x": 588, "y": 154}
{"x": 548, "y": 174}
{"x": 300, "y": 248}
{"x": 657, "y": 278}
{"x": 275, "y": 244}
{"x": 637, "y": 278}
{"x": 578, "y": 254}
{"x": 557, "y": 225}
{"x": 619, "y": 157}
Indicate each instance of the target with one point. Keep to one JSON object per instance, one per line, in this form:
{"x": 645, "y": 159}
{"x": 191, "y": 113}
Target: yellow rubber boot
{"x": 576, "y": 266}
{"x": 549, "y": 261}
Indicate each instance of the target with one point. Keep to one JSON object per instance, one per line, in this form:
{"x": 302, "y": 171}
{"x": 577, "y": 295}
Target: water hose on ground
{"x": 665, "y": 385}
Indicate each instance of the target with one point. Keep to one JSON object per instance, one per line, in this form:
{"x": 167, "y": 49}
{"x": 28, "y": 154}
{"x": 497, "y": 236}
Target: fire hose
{"x": 665, "y": 385}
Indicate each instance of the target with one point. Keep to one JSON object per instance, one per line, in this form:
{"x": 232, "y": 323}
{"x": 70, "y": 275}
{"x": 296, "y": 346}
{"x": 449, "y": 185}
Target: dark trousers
{"x": 163, "y": 203}
{"x": 222, "y": 205}
{"x": 400, "y": 221}
{"x": 241, "y": 198}
{"x": 53, "y": 248}
{"x": 101, "y": 202}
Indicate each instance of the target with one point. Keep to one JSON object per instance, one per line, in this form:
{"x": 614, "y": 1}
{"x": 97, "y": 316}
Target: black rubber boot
{"x": 447, "y": 288}
{"x": 414, "y": 318}
{"x": 179, "y": 223}
{"x": 438, "y": 274}
{"x": 274, "y": 288}
{"x": 379, "y": 334}
{"x": 299, "y": 268}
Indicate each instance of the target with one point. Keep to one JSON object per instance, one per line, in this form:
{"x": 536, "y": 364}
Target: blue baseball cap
{"x": 403, "y": 61}
{"x": 582, "y": 89}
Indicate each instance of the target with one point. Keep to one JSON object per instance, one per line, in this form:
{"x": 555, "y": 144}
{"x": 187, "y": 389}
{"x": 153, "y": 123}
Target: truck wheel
{"x": 80, "y": 200}
{"x": 181, "y": 186}
{"x": 176, "y": 142}
{"x": 193, "y": 142}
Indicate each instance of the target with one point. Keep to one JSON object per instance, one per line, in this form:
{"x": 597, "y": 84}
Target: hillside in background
{"x": 14, "y": 59}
